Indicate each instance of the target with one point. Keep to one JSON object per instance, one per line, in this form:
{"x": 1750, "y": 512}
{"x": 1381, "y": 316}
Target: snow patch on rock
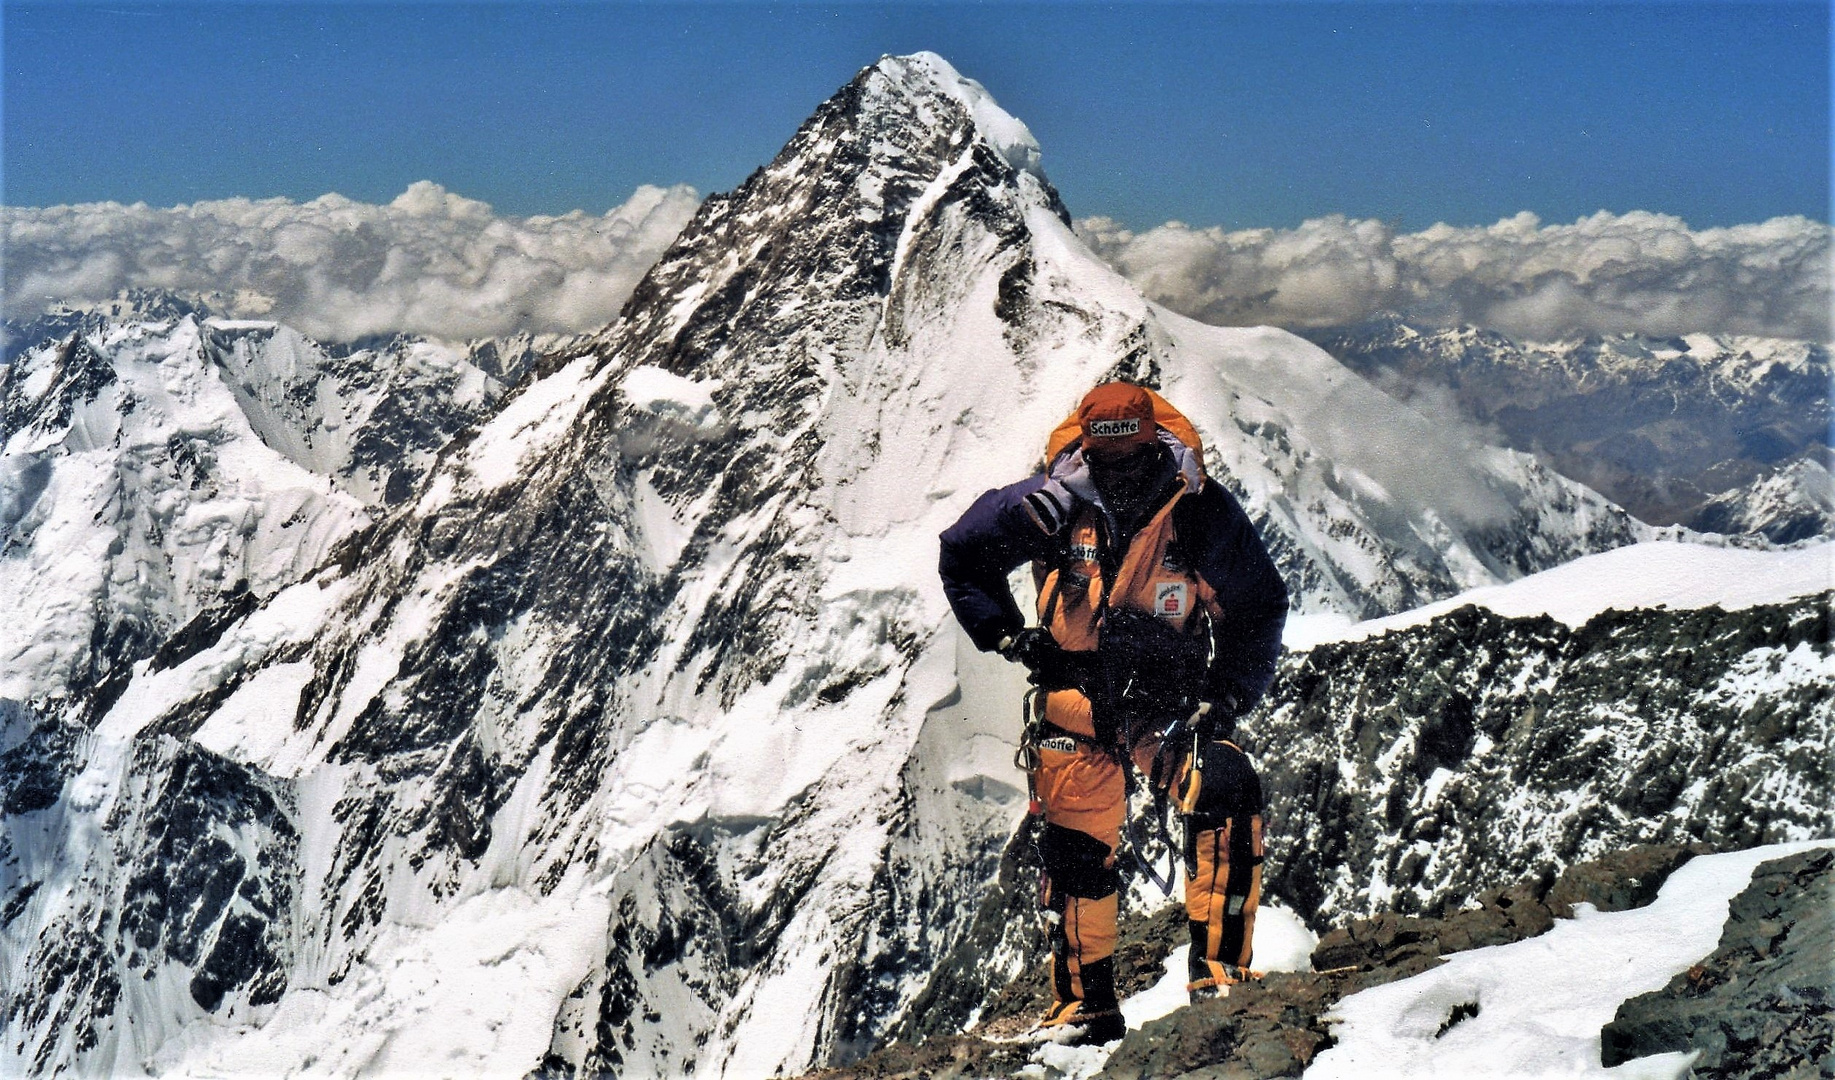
{"x": 1534, "y": 1008}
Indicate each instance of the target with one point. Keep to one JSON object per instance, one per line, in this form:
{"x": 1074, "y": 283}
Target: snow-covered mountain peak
{"x": 135, "y": 492}
{"x": 925, "y": 73}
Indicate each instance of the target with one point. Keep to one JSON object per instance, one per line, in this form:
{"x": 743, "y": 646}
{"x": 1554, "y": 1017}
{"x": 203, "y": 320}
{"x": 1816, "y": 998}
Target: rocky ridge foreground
{"x": 1274, "y": 1027}
{"x": 1763, "y": 1005}
{"x": 1414, "y": 772}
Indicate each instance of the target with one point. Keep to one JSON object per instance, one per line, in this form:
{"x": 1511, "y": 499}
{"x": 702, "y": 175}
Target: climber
{"x": 1160, "y": 618}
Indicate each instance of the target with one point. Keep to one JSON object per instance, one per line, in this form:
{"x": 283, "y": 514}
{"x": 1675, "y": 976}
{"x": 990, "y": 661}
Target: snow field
{"x": 1003, "y": 131}
{"x": 1656, "y": 573}
{"x": 1541, "y": 1002}
{"x": 533, "y": 422}
{"x": 473, "y": 993}
{"x": 666, "y": 394}
{"x": 1282, "y": 943}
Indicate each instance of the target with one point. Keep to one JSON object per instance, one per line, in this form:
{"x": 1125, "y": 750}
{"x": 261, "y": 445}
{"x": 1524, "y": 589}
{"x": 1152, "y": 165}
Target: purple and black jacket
{"x": 1011, "y": 526}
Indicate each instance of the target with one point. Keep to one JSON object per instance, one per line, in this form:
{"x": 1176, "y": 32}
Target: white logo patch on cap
{"x": 1114, "y": 429}
{"x": 1169, "y": 598}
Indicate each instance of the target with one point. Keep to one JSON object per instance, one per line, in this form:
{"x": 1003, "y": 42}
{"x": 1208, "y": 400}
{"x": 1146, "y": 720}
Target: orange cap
{"x": 1116, "y": 416}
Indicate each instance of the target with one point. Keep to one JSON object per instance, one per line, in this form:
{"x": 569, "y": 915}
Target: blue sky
{"x": 1229, "y": 114}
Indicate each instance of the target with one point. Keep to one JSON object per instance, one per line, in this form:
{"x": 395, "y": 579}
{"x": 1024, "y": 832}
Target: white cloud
{"x": 431, "y": 262}
{"x": 1642, "y": 272}
{"x": 436, "y": 263}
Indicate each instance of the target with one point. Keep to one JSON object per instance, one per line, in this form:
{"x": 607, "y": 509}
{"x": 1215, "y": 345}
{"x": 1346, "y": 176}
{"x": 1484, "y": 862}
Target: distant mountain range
{"x": 1720, "y": 434}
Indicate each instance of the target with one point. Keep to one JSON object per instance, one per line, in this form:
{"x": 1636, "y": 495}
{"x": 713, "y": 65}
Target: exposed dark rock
{"x": 191, "y": 898}
{"x": 15, "y": 904}
{"x": 33, "y": 772}
{"x": 1584, "y": 740}
{"x": 1262, "y": 1029}
{"x": 959, "y": 983}
{"x": 1763, "y": 1004}
{"x": 79, "y": 374}
{"x": 205, "y": 629}
{"x": 1274, "y": 1027}
{"x": 1618, "y": 882}
{"x": 1622, "y": 880}
{"x": 948, "y": 1057}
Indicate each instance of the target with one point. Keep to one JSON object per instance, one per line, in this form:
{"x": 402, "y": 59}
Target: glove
{"x": 1032, "y": 647}
{"x": 1209, "y": 720}
{"x": 1067, "y": 488}
{"x": 1051, "y": 666}
{"x": 1050, "y": 507}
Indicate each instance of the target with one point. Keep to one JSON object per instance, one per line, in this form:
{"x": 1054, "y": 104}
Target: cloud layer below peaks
{"x": 437, "y": 264}
{"x": 430, "y": 262}
{"x": 1609, "y": 273}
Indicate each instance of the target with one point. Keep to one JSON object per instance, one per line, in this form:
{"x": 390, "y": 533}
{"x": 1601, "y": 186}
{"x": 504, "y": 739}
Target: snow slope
{"x": 135, "y": 492}
{"x": 1647, "y": 575}
{"x": 372, "y": 419}
{"x": 1541, "y": 1002}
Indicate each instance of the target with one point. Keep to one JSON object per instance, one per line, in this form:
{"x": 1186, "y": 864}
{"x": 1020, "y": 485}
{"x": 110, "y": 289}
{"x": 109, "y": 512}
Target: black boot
{"x": 1101, "y": 1029}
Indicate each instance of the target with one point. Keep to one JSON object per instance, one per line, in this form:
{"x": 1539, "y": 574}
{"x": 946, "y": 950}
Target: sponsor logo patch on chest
{"x": 1170, "y": 598}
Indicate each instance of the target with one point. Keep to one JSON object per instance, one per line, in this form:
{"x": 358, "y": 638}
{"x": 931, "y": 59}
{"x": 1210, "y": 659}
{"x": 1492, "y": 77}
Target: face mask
{"x": 1134, "y": 461}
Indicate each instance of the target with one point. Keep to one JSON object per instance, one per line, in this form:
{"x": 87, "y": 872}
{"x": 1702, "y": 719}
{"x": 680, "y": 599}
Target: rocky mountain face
{"x": 135, "y": 494}
{"x": 1701, "y": 430}
{"x": 1411, "y": 772}
{"x": 1794, "y": 504}
{"x": 159, "y": 462}
{"x": 630, "y": 733}
{"x": 372, "y": 419}
{"x": 163, "y": 474}
{"x": 370, "y": 414}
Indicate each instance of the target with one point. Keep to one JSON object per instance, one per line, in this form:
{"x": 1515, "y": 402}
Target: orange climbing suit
{"x": 1083, "y": 792}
